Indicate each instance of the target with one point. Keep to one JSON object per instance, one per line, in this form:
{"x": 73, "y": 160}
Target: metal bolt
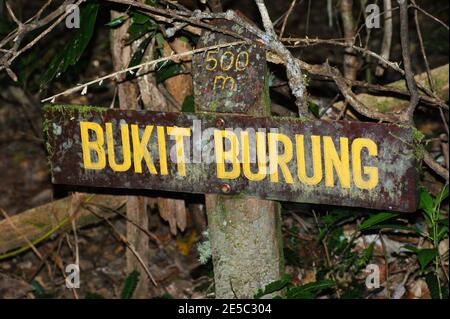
{"x": 225, "y": 188}
{"x": 220, "y": 122}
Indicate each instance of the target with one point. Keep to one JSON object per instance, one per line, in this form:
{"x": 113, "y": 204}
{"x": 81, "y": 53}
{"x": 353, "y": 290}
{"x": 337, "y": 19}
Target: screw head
{"x": 225, "y": 188}
{"x": 220, "y": 122}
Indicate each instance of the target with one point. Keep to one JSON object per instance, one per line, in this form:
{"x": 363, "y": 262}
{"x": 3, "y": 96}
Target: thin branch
{"x": 409, "y": 74}
{"x": 308, "y": 42}
{"x": 286, "y": 18}
{"x": 416, "y": 7}
{"x": 435, "y": 166}
{"x": 350, "y": 60}
{"x": 139, "y": 66}
{"x": 22, "y": 30}
{"x": 293, "y": 70}
{"x": 13, "y": 16}
{"x": 387, "y": 37}
{"x": 422, "y": 49}
{"x": 20, "y": 234}
{"x": 170, "y": 16}
{"x": 124, "y": 240}
{"x": 267, "y": 22}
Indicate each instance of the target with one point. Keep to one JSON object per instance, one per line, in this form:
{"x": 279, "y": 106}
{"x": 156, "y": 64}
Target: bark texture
{"x": 128, "y": 94}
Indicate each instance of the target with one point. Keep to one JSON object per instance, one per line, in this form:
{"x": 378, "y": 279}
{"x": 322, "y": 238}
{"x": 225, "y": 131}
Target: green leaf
{"x": 160, "y": 41}
{"x": 309, "y": 291}
{"x": 426, "y": 204}
{"x": 443, "y": 222}
{"x": 412, "y": 248}
{"x": 322, "y": 234}
{"x": 395, "y": 227}
{"x": 442, "y": 195}
{"x": 130, "y": 285}
{"x": 425, "y": 257}
{"x": 274, "y": 286}
{"x": 298, "y": 293}
{"x": 337, "y": 216}
{"x": 139, "y": 18}
{"x": 141, "y": 24}
{"x": 73, "y": 50}
{"x": 442, "y": 231}
{"x": 29, "y": 63}
{"x": 169, "y": 70}
{"x": 188, "y": 105}
{"x": 39, "y": 291}
{"x": 366, "y": 256}
{"x": 319, "y": 285}
{"x": 376, "y": 219}
{"x": 94, "y": 295}
{"x": 117, "y": 22}
{"x": 139, "y": 54}
{"x": 315, "y": 109}
{"x": 433, "y": 285}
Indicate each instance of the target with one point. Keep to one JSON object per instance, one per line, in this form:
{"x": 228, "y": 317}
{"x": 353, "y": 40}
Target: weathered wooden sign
{"x": 340, "y": 163}
{"x": 231, "y": 79}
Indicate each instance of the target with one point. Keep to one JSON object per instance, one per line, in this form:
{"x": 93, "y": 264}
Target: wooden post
{"x": 245, "y": 233}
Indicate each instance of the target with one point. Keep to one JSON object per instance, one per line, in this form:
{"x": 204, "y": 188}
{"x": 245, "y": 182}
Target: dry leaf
{"x": 179, "y": 86}
{"x": 174, "y": 212}
{"x": 419, "y": 290}
{"x": 185, "y": 245}
{"x": 11, "y": 288}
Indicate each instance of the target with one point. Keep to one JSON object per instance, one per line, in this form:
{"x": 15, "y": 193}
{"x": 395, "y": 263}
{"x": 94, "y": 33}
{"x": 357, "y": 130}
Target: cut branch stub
{"x": 229, "y": 80}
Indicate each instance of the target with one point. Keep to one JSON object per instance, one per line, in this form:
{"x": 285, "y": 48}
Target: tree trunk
{"x": 351, "y": 62}
{"x": 245, "y": 234}
{"x": 246, "y": 244}
{"x": 136, "y": 206}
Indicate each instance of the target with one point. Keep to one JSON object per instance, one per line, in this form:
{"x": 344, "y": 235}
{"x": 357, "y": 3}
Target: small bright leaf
{"x": 130, "y": 285}
{"x": 117, "y": 22}
{"x": 425, "y": 257}
{"x": 376, "y": 219}
{"x": 426, "y": 203}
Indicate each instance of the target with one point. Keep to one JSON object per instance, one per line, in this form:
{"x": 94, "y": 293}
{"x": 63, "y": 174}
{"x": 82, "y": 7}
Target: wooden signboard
{"x": 230, "y": 79}
{"x": 287, "y": 159}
